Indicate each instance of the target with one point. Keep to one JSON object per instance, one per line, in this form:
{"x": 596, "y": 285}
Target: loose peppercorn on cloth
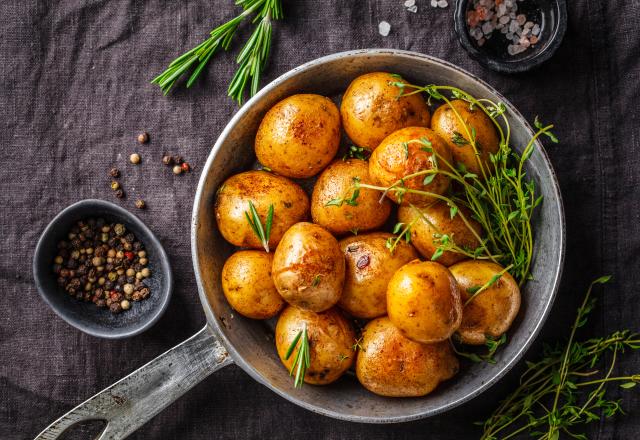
{"x": 75, "y": 93}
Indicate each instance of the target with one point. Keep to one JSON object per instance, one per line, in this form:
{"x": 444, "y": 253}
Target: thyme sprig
{"x": 302, "y": 361}
{"x": 565, "y": 389}
{"x": 251, "y": 60}
{"x": 263, "y": 233}
{"x": 501, "y": 199}
{"x": 492, "y": 345}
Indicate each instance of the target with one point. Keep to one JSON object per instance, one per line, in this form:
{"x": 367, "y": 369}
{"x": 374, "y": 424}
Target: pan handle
{"x": 135, "y": 399}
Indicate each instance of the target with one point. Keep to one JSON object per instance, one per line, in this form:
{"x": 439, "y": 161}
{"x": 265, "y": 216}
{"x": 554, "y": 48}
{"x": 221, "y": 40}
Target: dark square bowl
{"x": 86, "y": 316}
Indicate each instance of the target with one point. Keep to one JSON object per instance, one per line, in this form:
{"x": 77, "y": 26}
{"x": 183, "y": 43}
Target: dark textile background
{"x": 74, "y": 92}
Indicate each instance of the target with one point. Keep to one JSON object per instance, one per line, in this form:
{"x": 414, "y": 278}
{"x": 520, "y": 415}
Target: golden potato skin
{"x": 370, "y": 266}
{"x": 439, "y": 221}
{"x": 299, "y": 135}
{"x": 492, "y": 311}
{"x": 423, "y": 301}
{"x": 392, "y": 365}
{"x": 446, "y": 123}
{"x": 371, "y": 109}
{"x": 290, "y": 205}
{"x": 391, "y": 161}
{"x": 331, "y": 338}
{"x": 308, "y": 267}
{"x": 337, "y": 181}
{"x": 247, "y": 284}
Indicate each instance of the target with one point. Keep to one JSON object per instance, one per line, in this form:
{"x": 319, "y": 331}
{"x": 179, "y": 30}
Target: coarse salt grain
{"x": 434, "y": 3}
{"x": 384, "y": 28}
{"x": 443, "y": 3}
{"x": 409, "y": 3}
{"x": 413, "y": 9}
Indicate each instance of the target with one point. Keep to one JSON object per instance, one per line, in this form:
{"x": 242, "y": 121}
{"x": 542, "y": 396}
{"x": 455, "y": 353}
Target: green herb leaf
{"x": 437, "y": 254}
{"x": 302, "y": 360}
{"x": 355, "y": 152}
{"x": 628, "y": 385}
{"x": 316, "y": 281}
{"x": 263, "y": 233}
{"x": 428, "y": 179}
{"x": 458, "y": 139}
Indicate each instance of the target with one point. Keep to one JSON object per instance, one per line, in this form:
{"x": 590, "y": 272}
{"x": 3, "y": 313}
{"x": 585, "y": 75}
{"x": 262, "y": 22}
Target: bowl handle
{"x": 135, "y": 399}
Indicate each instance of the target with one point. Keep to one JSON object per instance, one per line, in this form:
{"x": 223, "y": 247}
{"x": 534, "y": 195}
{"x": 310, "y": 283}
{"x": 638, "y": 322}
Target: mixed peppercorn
{"x": 103, "y": 263}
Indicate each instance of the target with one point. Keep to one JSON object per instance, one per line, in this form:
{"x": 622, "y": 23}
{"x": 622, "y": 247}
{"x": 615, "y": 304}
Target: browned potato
{"x": 330, "y": 336}
{"x": 370, "y": 266}
{"x": 299, "y": 136}
{"x": 290, "y": 205}
{"x": 337, "y": 182}
{"x": 493, "y": 310}
{"x": 308, "y": 267}
{"x": 371, "y": 109}
{"x": 397, "y": 157}
{"x": 423, "y": 301}
{"x": 449, "y": 127}
{"x": 247, "y": 285}
{"x": 433, "y": 221}
{"x": 392, "y": 365}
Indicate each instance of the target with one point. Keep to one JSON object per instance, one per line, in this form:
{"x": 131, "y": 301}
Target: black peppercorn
{"x": 114, "y": 172}
{"x": 177, "y": 159}
{"x": 120, "y": 194}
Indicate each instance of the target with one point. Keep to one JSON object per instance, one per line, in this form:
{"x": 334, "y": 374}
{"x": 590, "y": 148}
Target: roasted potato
{"x": 308, "y": 267}
{"x": 290, "y": 206}
{"x": 370, "y": 266}
{"x": 400, "y": 155}
{"x": 331, "y": 338}
{"x": 371, "y": 109}
{"x": 389, "y": 364}
{"x": 247, "y": 285}
{"x": 492, "y": 311}
{"x": 334, "y": 186}
{"x": 299, "y": 136}
{"x": 423, "y": 301}
{"x": 449, "y": 127}
{"x": 430, "y": 223}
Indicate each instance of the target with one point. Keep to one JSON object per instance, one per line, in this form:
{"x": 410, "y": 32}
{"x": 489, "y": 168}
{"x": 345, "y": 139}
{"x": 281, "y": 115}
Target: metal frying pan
{"x": 228, "y": 337}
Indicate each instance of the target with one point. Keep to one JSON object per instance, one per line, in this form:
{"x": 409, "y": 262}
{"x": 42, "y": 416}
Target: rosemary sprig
{"x": 251, "y": 60}
{"x": 302, "y": 361}
{"x": 565, "y": 389}
{"x": 263, "y": 233}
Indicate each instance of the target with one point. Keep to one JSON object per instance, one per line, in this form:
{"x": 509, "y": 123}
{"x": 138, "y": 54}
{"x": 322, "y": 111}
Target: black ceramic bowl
{"x": 86, "y": 316}
{"x": 551, "y": 15}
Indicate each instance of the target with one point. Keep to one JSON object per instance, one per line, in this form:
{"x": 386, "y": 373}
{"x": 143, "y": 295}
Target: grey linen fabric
{"x": 74, "y": 91}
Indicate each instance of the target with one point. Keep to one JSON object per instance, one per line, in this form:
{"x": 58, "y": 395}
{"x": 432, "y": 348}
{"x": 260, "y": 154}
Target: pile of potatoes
{"x": 329, "y": 268}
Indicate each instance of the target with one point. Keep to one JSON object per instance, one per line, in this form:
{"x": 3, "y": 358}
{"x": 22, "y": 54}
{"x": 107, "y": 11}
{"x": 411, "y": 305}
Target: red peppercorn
{"x": 130, "y": 255}
{"x": 113, "y": 295}
{"x": 185, "y": 167}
